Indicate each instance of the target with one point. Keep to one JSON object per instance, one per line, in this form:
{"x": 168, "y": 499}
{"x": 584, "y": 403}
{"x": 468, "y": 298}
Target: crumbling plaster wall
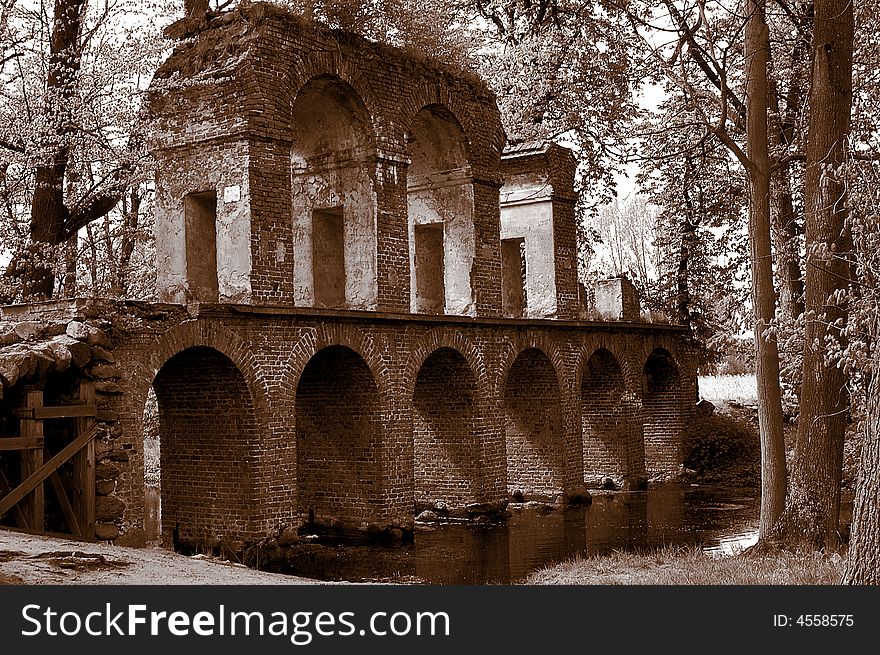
{"x": 350, "y": 187}
{"x": 451, "y": 204}
{"x": 532, "y": 220}
{"x": 191, "y": 169}
{"x": 248, "y": 70}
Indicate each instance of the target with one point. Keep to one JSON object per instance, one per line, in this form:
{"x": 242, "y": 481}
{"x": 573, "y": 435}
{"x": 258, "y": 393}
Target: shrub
{"x": 723, "y": 449}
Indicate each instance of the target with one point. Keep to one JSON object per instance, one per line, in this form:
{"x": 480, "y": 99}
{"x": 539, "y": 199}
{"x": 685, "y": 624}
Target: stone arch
{"x": 534, "y": 426}
{"x": 613, "y": 442}
{"x": 334, "y": 196}
{"x": 662, "y": 402}
{"x": 339, "y": 440}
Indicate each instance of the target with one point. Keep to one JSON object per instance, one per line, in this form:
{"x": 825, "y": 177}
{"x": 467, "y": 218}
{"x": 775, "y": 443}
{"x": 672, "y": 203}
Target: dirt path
{"x": 32, "y": 559}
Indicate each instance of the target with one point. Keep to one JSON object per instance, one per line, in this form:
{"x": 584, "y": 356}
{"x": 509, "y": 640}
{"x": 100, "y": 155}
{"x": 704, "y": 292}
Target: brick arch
{"x": 230, "y": 449}
{"x": 611, "y": 418}
{"x": 513, "y": 348}
{"x": 437, "y": 93}
{"x": 630, "y": 370}
{"x": 330, "y": 64}
{"x": 541, "y": 457}
{"x": 440, "y": 338}
{"x": 198, "y": 333}
{"x": 325, "y": 336}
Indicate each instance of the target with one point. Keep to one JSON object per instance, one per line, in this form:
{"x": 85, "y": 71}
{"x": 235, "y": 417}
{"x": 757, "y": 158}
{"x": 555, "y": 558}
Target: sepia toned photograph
{"x": 530, "y": 293}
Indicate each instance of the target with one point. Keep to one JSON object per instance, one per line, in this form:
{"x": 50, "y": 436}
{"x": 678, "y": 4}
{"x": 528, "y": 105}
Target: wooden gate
{"x": 27, "y": 499}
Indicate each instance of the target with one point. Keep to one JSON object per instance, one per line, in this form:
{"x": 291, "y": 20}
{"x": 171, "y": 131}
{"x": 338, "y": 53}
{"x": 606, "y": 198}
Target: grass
{"x": 725, "y": 388}
{"x": 690, "y": 565}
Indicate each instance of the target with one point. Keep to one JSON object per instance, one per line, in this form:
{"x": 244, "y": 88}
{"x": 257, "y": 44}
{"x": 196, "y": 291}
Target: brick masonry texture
{"x": 359, "y": 418}
{"x": 275, "y": 415}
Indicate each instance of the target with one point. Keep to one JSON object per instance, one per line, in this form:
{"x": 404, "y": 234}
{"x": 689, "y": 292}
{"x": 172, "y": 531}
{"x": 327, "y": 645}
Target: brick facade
{"x": 277, "y": 411}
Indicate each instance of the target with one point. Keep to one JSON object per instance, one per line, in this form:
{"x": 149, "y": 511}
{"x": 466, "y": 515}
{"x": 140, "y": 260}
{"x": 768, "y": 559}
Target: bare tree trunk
{"x": 757, "y": 50}
{"x": 813, "y": 508}
{"x": 785, "y": 222}
{"x": 863, "y": 556}
{"x": 195, "y": 8}
{"x": 48, "y": 211}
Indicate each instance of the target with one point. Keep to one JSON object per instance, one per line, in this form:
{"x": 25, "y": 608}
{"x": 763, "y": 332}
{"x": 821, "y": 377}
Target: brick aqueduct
{"x": 369, "y": 306}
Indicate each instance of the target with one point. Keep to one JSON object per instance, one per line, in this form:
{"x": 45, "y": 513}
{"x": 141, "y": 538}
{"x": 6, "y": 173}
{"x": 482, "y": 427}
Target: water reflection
{"x": 713, "y": 517}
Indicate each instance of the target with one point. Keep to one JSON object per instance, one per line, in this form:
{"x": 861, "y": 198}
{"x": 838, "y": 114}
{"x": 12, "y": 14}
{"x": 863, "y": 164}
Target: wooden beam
{"x": 5, "y": 488}
{"x": 36, "y": 478}
{"x": 22, "y": 443}
{"x": 31, "y": 462}
{"x": 58, "y": 411}
{"x": 84, "y": 466}
{"x": 69, "y": 515}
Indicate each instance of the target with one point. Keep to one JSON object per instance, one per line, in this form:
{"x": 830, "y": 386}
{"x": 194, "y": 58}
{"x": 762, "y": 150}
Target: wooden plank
{"x": 31, "y": 461}
{"x": 58, "y": 411}
{"x": 69, "y": 514}
{"x": 5, "y": 488}
{"x": 84, "y": 466}
{"x": 21, "y": 443}
{"x": 36, "y": 478}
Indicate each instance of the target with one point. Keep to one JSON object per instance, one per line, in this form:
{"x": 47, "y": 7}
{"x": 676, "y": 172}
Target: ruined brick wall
{"x": 538, "y": 189}
{"x": 611, "y": 421}
{"x": 339, "y": 428}
{"x": 365, "y": 418}
{"x": 208, "y": 439}
{"x": 446, "y": 430}
{"x": 534, "y": 428}
{"x": 251, "y": 69}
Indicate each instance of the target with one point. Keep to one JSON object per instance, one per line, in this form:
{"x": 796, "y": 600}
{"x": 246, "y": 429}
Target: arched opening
{"x": 663, "y": 415}
{"x": 447, "y": 431}
{"x": 612, "y": 435}
{"x": 440, "y": 202}
{"x": 534, "y": 429}
{"x": 207, "y": 436}
{"x": 334, "y": 203}
{"x": 338, "y": 440}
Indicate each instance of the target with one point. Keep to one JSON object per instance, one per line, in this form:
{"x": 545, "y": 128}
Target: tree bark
{"x": 813, "y": 508}
{"x": 757, "y": 50}
{"x": 49, "y": 214}
{"x": 863, "y": 557}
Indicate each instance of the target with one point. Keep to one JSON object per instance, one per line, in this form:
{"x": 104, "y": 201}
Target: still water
{"x": 717, "y": 519}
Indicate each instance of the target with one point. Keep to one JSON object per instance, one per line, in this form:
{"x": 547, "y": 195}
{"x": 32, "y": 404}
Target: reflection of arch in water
{"x": 534, "y": 430}
{"x": 447, "y": 432}
{"x": 662, "y": 408}
{"x": 208, "y": 436}
{"x": 612, "y": 436}
{"x": 338, "y": 440}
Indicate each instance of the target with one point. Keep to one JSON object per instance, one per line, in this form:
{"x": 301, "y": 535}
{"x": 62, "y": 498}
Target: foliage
{"x": 101, "y": 140}
{"x": 724, "y": 449}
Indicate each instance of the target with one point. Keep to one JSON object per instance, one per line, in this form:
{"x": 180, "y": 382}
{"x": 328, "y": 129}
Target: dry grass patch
{"x": 690, "y": 565}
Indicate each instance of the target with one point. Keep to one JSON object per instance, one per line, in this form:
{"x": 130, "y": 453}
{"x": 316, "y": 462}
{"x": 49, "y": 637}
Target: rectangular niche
{"x": 200, "y": 227}
{"x": 513, "y": 276}
{"x": 429, "y": 272}
{"x": 328, "y": 257}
